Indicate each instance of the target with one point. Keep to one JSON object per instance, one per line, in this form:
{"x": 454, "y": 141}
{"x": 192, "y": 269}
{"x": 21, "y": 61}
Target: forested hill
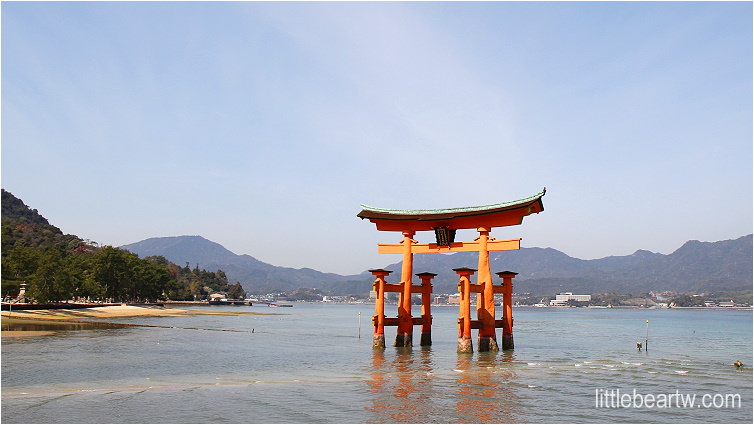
{"x": 24, "y": 226}
{"x": 60, "y": 267}
{"x": 14, "y": 209}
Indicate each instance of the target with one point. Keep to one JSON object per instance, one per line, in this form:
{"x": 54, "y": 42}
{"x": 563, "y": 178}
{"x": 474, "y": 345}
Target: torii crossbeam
{"x": 445, "y": 222}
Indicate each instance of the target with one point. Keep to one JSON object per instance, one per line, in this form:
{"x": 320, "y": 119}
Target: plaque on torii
{"x": 444, "y": 223}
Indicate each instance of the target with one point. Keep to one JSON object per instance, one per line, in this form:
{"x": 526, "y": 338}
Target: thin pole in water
{"x": 646, "y": 338}
{"x": 359, "y": 325}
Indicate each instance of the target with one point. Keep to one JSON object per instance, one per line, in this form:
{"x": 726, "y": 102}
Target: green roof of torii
{"x": 385, "y": 213}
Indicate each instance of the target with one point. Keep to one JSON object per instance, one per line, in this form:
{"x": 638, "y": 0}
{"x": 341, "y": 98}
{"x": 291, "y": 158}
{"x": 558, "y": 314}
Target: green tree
{"x": 153, "y": 278}
{"x": 51, "y": 280}
{"x": 110, "y": 268}
{"x": 18, "y": 264}
{"x": 236, "y": 291}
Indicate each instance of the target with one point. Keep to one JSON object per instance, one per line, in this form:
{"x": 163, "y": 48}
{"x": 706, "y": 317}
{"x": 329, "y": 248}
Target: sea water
{"x": 314, "y": 363}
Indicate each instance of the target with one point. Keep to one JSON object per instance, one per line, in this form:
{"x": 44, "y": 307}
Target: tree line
{"x": 57, "y": 267}
{"x": 106, "y": 274}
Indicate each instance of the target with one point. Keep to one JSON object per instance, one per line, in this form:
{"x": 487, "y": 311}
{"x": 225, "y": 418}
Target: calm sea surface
{"x": 307, "y": 364}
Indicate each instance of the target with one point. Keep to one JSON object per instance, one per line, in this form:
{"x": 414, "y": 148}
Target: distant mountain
{"x": 697, "y": 266}
{"x": 255, "y": 276}
{"x": 540, "y": 265}
{"x": 694, "y": 267}
{"x": 183, "y": 249}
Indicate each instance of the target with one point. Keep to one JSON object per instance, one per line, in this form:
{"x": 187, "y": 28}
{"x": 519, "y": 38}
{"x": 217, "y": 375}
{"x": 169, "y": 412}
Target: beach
{"x": 100, "y": 312}
{"x": 105, "y": 312}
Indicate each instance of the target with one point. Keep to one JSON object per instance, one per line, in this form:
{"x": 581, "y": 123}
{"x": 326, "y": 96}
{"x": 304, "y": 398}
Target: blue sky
{"x": 263, "y": 126}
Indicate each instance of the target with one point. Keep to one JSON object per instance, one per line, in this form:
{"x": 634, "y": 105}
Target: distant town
{"x": 654, "y": 299}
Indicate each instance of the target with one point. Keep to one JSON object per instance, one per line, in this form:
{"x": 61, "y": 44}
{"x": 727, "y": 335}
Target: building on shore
{"x": 563, "y": 299}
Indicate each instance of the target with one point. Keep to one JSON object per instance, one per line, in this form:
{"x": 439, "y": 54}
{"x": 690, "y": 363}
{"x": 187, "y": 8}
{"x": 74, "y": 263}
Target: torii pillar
{"x": 379, "y": 307}
{"x": 404, "y": 337}
{"x": 507, "y": 277}
{"x": 486, "y": 298}
{"x": 464, "y": 312}
{"x": 426, "y": 291}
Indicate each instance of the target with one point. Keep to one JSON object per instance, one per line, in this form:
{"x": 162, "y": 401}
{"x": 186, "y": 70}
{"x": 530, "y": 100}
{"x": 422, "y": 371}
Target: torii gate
{"x": 445, "y": 222}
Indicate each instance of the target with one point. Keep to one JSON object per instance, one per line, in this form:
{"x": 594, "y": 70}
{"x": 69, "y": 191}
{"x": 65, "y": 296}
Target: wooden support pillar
{"x": 404, "y": 337}
{"x": 426, "y": 336}
{"x": 507, "y": 277}
{"x": 464, "y": 317}
{"x": 378, "y": 320}
{"x": 485, "y": 299}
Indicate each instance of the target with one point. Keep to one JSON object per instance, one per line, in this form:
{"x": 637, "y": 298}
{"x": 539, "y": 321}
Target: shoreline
{"x": 115, "y": 311}
{"x": 619, "y": 307}
{"x": 82, "y": 316}
{"x": 110, "y": 311}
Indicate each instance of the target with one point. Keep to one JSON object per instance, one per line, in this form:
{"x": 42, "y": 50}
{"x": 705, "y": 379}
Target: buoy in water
{"x": 638, "y": 345}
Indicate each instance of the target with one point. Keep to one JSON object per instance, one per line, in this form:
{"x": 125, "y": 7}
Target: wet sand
{"x": 61, "y": 317}
{"x": 99, "y": 312}
{"x": 18, "y": 334}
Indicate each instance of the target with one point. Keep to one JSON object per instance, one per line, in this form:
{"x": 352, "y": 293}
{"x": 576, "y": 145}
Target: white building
{"x": 562, "y": 299}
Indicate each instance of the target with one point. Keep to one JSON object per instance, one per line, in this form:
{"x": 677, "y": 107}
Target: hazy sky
{"x": 263, "y": 126}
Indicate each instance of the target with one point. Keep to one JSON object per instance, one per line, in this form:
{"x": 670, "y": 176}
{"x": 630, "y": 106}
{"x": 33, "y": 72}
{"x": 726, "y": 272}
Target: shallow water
{"x": 307, "y": 364}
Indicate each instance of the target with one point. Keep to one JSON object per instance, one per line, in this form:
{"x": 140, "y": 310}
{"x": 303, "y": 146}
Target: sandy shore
{"x": 61, "y": 316}
{"x": 97, "y": 312}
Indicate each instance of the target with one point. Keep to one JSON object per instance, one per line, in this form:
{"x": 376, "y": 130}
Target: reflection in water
{"x": 55, "y": 325}
{"x": 405, "y": 387}
{"x": 483, "y": 388}
{"x": 402, "y": 389}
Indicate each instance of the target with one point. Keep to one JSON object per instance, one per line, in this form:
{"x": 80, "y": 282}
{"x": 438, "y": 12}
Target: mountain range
{"x": 694, "y": 267}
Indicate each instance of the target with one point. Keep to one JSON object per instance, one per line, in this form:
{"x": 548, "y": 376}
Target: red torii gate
{"x": 445, "y": 222}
